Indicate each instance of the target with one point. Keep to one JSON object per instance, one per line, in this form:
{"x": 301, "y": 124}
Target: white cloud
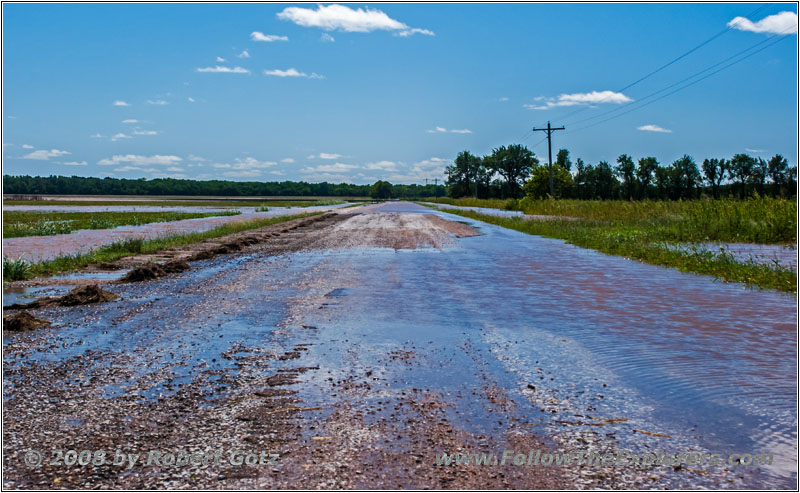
{"x": 328, "y": 168}
{"x": 175, "y": 169}
{"x": 45, "y": 155}
{"x": 190, "y": 99}
{"x": 428, "y": 168}
{"x": 137, "y": 160}
{"x": 444, "y": 130}
{"x": 277, "y": 172}
{"x": 410, "y": 32}
{"x": 251, "y": 165}
{"x": 343, "y": 18}
{"x": 382, "y": 165}
{"x": 157, "y": 102}
{"x": 74, "y": 163}
{"x": 130, "y": 121}
{"x": 579, "y": 99}
{"x": 757, "y": 151}
{"x": 136, "y": 168}
{"x": 503, "y": 99}
{"x": 223, "y": 70}
{"x": 287, "y": 160}
{"x": 253, "y": 173}
{"x": 292, "y": 72}
{"x": 325, "y": 155}
{"x": 120, "y": 103}
{"x": 327, "y": 38}
{"x": 220, "y": 59}
{"x": 654, "y": 128}
{"x": 267, "y": 38}
{"x": 27, "y": 146}
{"x": 97, "y": 136}
{"x": 781, "y": 23}
{"x": 243, "y": 54}
{"x": 120, "y": 136}
{"x": 145, "y": 132}
{"x": 192, "y": 157}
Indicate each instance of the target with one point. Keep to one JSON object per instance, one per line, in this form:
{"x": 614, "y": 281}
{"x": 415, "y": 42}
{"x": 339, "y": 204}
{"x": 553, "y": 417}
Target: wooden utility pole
{"x": 549, "y": 130}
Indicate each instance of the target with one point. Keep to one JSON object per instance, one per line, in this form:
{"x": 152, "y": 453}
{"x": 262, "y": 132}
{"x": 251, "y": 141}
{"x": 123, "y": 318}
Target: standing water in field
{"x": 579, "y": 336}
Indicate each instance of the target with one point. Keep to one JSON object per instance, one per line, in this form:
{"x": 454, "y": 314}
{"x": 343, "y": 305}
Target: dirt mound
{"x": 152, "y": 270}
{"x": 23, "y": 321}
{"x": 85, "y": 295}
{"x": 82, "y": 295}
{"x": 176, "y": 266}
{"x": 144, "y": 272}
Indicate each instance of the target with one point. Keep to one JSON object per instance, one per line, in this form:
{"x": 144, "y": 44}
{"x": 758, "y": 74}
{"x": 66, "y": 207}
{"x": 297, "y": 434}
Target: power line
{"x": 659, "y": 69}
{"x": 680, "y": 88}
{"x": 614, "y": 110}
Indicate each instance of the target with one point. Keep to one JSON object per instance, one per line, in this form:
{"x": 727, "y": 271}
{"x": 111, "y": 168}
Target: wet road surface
{"x": 393, "y": 355}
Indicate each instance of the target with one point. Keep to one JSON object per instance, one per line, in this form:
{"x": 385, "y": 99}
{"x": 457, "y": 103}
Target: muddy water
{"x": 38, "y": 248}
{"x": 711, "y": 365}
{"x": 784, "y": 255}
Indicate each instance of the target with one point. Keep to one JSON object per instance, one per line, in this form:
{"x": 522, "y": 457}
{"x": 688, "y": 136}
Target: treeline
{"x": 79, "y": 185}
{"x": 514, "y": 171}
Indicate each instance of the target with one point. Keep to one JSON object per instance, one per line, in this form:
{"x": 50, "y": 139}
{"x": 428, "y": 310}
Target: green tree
{"x": 604, "y": 183}
{"x": 626, "y": 171}
{"x": 562, "y": 159}
{"x": 778, "y": 171}
{"x": 381, "y": 190}
{"x": 714, "y": 171}
{"x": 514, "y": 164}
{"x": 685, "y": 177}
{"x": 538, "y": 186}
{"x": 644, "y": 173}
{"x": 742, "y": 167}
{"x": 663, "y": 180}
{"x": 462, "y": 175}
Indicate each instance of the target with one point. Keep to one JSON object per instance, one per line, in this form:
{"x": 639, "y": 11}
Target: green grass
{"x": 25, "y": 223}
{"x": 16, "y": 270}
{"x": 756, "y": 220}
{"x": 633, "y": 239}
{"x": 126, "y": 248}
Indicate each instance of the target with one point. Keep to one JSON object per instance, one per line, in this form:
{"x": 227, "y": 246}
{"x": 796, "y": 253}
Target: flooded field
{"x": 360, "y": 347}
{"x": 38, "y": 248}
{"x": 784, "y": 255}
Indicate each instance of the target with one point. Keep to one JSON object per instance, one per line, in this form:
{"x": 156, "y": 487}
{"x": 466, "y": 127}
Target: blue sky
{"x": 360, "y": 92}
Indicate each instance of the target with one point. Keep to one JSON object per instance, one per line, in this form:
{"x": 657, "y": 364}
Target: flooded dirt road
{"x": 360, "y": 347}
